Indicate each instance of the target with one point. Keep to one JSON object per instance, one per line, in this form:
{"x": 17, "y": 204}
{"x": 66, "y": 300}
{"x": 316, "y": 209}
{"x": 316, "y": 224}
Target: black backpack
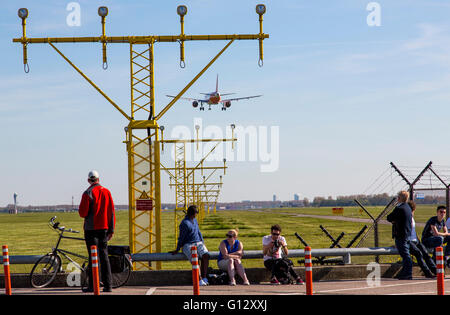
{"x": 281, "y": 271}
{"x": 218, "y": 279}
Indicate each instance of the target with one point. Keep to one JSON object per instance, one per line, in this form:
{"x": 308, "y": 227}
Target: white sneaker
{"x": 203, "y": 282}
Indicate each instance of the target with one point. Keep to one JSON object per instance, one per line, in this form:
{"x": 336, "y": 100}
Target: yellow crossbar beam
{"x": 137, "y": 39}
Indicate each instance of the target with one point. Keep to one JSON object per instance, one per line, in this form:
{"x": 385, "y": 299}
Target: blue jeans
{"x": 403, "y": 250}
{"x": 435, "y": 241}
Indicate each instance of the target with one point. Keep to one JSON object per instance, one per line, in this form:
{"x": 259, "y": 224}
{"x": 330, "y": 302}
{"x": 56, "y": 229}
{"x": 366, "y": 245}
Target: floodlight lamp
{"x": 260, "y": 9}
{"x": 233, "y": 126}
{"x": 161, "y": 128}
{"x": 197, "y": 127}
{"x": 103, "y": 11}
{"x": 23, "y": 13}
{"x": 182, "y": 10}
{"x": 224, "y": 160}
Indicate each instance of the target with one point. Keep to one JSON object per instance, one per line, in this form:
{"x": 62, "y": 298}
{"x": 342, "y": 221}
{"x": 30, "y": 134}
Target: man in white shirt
{"x": 274, "y": 245}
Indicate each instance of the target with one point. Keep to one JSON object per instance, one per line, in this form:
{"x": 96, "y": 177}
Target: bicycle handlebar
{"x": 55, "y": 225}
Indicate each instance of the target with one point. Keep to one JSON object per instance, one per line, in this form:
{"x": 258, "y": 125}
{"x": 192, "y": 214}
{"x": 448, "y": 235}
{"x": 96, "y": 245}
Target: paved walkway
{"x": 417, "y": 286}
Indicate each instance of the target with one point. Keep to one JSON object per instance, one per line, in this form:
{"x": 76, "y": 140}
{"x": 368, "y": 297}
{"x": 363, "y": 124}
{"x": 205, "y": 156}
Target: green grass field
{"x": 29, "y": 234}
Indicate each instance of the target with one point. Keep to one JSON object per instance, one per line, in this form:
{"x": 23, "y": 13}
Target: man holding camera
{"x": 274, "y": 245}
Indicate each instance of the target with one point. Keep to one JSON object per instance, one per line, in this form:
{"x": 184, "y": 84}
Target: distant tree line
{"x": 370, "y": 200}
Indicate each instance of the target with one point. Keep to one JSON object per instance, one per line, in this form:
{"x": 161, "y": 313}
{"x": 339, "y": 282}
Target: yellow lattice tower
{"x": 143, "y": 132}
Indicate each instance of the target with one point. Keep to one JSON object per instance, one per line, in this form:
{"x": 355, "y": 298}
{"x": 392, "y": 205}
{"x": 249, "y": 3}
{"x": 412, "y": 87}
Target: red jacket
{"x": 97, "y": 209}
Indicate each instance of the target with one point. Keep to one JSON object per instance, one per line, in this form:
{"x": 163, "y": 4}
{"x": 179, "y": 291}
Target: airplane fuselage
{"x": 214, "y": 98}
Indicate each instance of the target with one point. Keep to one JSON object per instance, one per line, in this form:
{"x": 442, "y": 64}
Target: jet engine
{"x": 194, "y": 104}
{"x": 228, "y": 104}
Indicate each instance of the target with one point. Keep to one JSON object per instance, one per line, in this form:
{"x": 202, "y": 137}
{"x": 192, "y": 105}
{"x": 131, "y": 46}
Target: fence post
{"x": 94, "y": 263}
{"x": 440, "y": 270}
{"x": 6, "y": 269}
{"x": 195, "y": 271}
{"x": 308, "y": 271}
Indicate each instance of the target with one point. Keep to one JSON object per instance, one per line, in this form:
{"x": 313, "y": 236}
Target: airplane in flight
{"x": 214, "y": 98}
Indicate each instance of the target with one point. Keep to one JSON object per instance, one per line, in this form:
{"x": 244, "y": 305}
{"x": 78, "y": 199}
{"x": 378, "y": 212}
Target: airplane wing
{"x": 189, "y": 99}
{"x": 239, "y": 98}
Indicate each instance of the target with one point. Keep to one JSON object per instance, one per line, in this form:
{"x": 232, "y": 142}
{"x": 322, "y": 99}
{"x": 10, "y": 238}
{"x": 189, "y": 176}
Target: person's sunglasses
{"x": 229, "y": 235}
{"x": 275, "y": 234}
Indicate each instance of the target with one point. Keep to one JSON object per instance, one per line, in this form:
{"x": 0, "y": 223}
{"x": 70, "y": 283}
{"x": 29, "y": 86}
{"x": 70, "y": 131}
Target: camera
{"x": 276, "y": 243}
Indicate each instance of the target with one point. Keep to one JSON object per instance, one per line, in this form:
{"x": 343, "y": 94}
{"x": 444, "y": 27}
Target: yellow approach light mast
{"x": 143, "y": 131}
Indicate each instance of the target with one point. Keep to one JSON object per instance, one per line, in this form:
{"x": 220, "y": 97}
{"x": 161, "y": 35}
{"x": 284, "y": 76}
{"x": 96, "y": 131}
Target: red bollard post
{"x": 195, "y": 271}
{"x": 308, "y": 271}
{"x": 95, "y": 277}
{"x": 440, "y": 270}
{"x": 6, "y": 268}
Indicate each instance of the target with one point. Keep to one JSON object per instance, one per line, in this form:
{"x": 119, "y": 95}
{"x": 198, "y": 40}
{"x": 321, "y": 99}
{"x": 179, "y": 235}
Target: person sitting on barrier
{"x": 273, "y": 247}
{"x": 436, "y": 233}
{"x": 189, "y": 236}
{"x": 230, "y": 254}
{"x": 419, "y": 251}
{"x": 401, "y": 218}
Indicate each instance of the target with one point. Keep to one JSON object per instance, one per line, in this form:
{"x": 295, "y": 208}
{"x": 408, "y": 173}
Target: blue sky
{"x": 347, "y": 98}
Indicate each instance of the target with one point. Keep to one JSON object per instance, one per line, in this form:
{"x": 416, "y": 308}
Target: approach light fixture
{"x": 103, "y": 11}
{"x": 260, "y": 9}
{"x": 23, "y": 13}
{"x": 182, "y": 10}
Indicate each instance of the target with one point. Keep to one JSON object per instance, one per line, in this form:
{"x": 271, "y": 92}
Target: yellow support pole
{"x": 157, "y": 197}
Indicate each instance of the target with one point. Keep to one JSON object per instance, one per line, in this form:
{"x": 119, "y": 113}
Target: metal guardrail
{"x": 345, "y": 253}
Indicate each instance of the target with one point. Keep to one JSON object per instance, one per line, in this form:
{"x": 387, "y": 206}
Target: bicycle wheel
{"x": 44, "y": 270}
{"x": 121, "y": 278}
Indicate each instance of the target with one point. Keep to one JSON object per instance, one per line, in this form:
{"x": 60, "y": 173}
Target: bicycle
{"x": 48, "y": 266}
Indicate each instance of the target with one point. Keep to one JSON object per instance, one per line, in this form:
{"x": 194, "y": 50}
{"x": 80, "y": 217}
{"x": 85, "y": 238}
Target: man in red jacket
{"x": 97, "y": 209}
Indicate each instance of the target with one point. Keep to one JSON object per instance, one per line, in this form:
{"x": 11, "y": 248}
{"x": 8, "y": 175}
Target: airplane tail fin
{"x": 217, "y": 83}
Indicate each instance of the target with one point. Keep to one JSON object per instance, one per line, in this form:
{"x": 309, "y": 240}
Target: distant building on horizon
{"x": 14, "y": 210}
{"x": 274, "y": 198}
{"x": 296, "y": 197}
